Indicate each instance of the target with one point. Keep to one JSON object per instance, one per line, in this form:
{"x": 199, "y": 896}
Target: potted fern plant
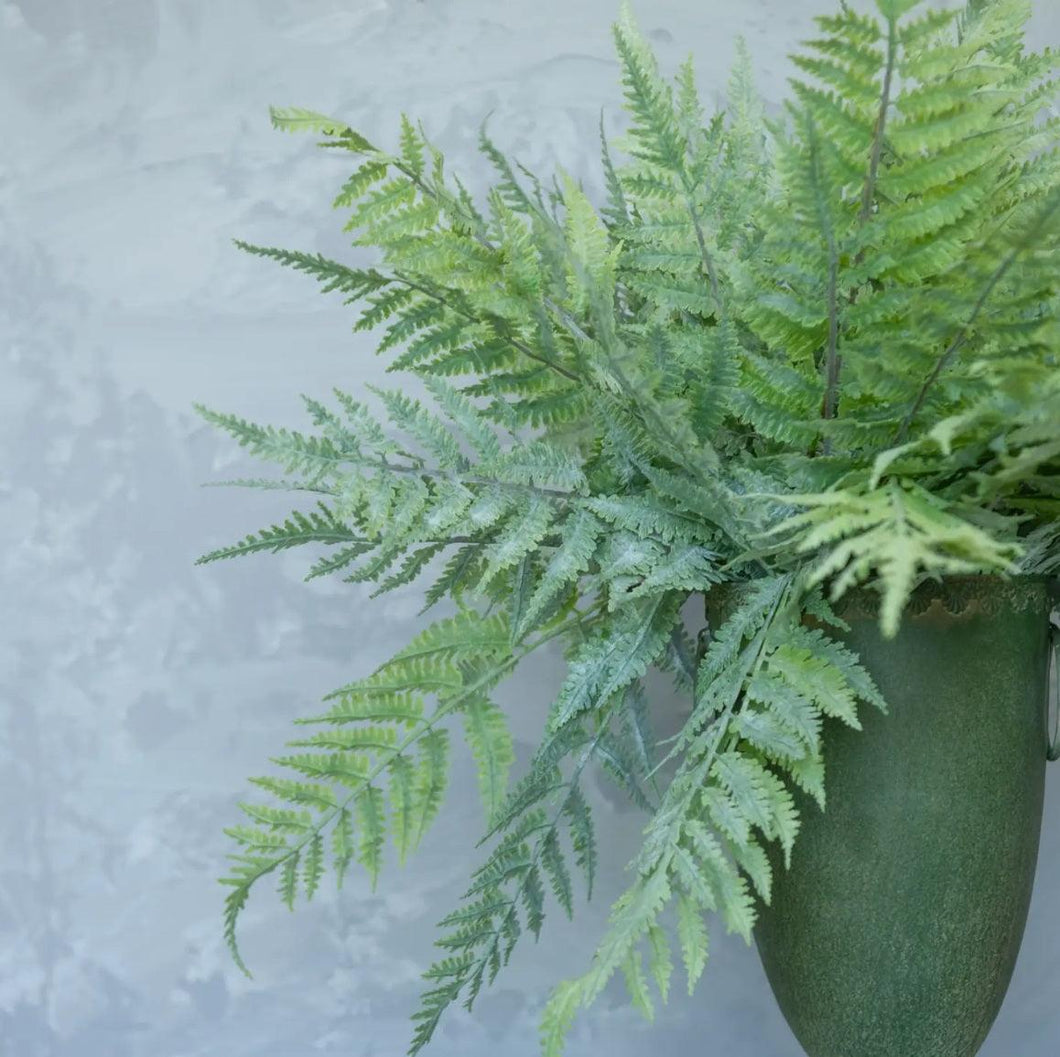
{"x": 806, "y": 369}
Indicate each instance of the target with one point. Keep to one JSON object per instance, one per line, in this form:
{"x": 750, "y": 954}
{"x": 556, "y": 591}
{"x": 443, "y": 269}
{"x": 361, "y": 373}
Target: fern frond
{"x": 486, "y": 730}
{"x": 609, "y": 662}
{"x": 314, "y": 456}
{"x": 699, "y": 845}
{"x": 298, "y": 119}
{"x": 596, "y": 684}
{"x": 378, "y": 725}
{"x": 298, "y": 529}
{"x": 654, "y": 135}
{"x": 898, "y": 530}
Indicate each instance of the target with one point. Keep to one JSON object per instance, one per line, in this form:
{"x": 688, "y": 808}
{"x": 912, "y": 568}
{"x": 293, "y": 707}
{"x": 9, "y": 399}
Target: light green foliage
{"x": 902, "y": 529}
{"x": 379, "y": 734}
{"x": 802, "y": 354}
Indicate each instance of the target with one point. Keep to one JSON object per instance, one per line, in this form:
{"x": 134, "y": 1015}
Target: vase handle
{"x": 1054, "y": 656}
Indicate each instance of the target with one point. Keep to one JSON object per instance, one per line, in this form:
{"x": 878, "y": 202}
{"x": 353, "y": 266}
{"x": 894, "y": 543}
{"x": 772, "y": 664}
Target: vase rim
{"x": 957, "y": 586}
{"x": 948, "y": 578}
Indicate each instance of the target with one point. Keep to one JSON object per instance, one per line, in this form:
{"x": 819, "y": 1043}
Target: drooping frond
{"x": 764, "y": 691}
{"x": 381, "y": 763}
{"x": 508, "y": 890}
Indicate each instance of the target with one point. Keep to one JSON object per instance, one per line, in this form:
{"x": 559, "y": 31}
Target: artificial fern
{"x": 795, "y": 355}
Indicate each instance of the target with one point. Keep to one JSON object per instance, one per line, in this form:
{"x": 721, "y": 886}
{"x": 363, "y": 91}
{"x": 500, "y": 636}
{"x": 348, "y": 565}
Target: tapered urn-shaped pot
{"x": 896, "y": 929}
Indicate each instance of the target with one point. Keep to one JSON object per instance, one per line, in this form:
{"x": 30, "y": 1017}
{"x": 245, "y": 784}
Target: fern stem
{"x": 708, "y": 261}
{"x": 868, "y": 192}
{"x": 834, "y": 360}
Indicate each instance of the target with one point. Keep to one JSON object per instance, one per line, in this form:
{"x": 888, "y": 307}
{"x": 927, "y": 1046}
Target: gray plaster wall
{"x": 137, "y": 691}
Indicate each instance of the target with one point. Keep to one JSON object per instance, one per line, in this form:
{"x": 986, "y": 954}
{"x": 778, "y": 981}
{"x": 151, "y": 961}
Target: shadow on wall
{"x": 104, "y": 615}
{"x": 128, "y": 25}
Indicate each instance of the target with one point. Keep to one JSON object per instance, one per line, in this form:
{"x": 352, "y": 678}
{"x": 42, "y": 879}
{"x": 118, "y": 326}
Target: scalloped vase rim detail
{"x": 989, "y": 592}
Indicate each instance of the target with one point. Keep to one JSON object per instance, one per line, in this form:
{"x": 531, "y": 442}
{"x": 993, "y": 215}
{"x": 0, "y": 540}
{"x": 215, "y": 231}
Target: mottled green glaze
{"x": 896, "y": 930}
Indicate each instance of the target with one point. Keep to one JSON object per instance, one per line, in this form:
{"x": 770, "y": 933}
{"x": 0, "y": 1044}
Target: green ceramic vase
{"x": 896, "y": 930}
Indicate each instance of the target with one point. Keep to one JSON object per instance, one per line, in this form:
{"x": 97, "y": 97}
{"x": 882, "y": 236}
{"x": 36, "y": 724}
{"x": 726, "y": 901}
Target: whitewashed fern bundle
{"x": 805, "y": 355}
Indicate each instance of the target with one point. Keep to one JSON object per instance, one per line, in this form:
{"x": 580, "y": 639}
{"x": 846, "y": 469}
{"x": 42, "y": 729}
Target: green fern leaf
{"x": 356, "y": 282}
{"x": 692, "y": 935}
{"x": 583, "y": 835}
{"x": 371, "y": 821}
{"x": 313, "y": 866}
{"x": 342, "y": 847}
{"x": 581, "y": 532}
{"x": 430, "y": 780}
{"x": 660, "y": 962}
{"x": 488, "y": 735}
{"x": 289, "y": 879}
{"x": 637, "y": 984}
{"x": 402, "y": 797}
{"x": 298, "y": 119}
{"x": 610, "y": 662}
{"x": 559, "y": 876}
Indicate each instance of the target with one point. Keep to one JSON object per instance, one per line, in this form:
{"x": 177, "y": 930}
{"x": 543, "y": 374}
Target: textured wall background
{"x": 138, "y": 692}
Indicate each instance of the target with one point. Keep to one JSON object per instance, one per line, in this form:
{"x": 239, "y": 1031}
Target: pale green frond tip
{"x": 298, "y": 119}
{"x": 558, "y": 1016}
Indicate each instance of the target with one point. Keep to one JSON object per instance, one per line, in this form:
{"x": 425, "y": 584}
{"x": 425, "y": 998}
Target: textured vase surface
{"x": 896, "y": 930}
